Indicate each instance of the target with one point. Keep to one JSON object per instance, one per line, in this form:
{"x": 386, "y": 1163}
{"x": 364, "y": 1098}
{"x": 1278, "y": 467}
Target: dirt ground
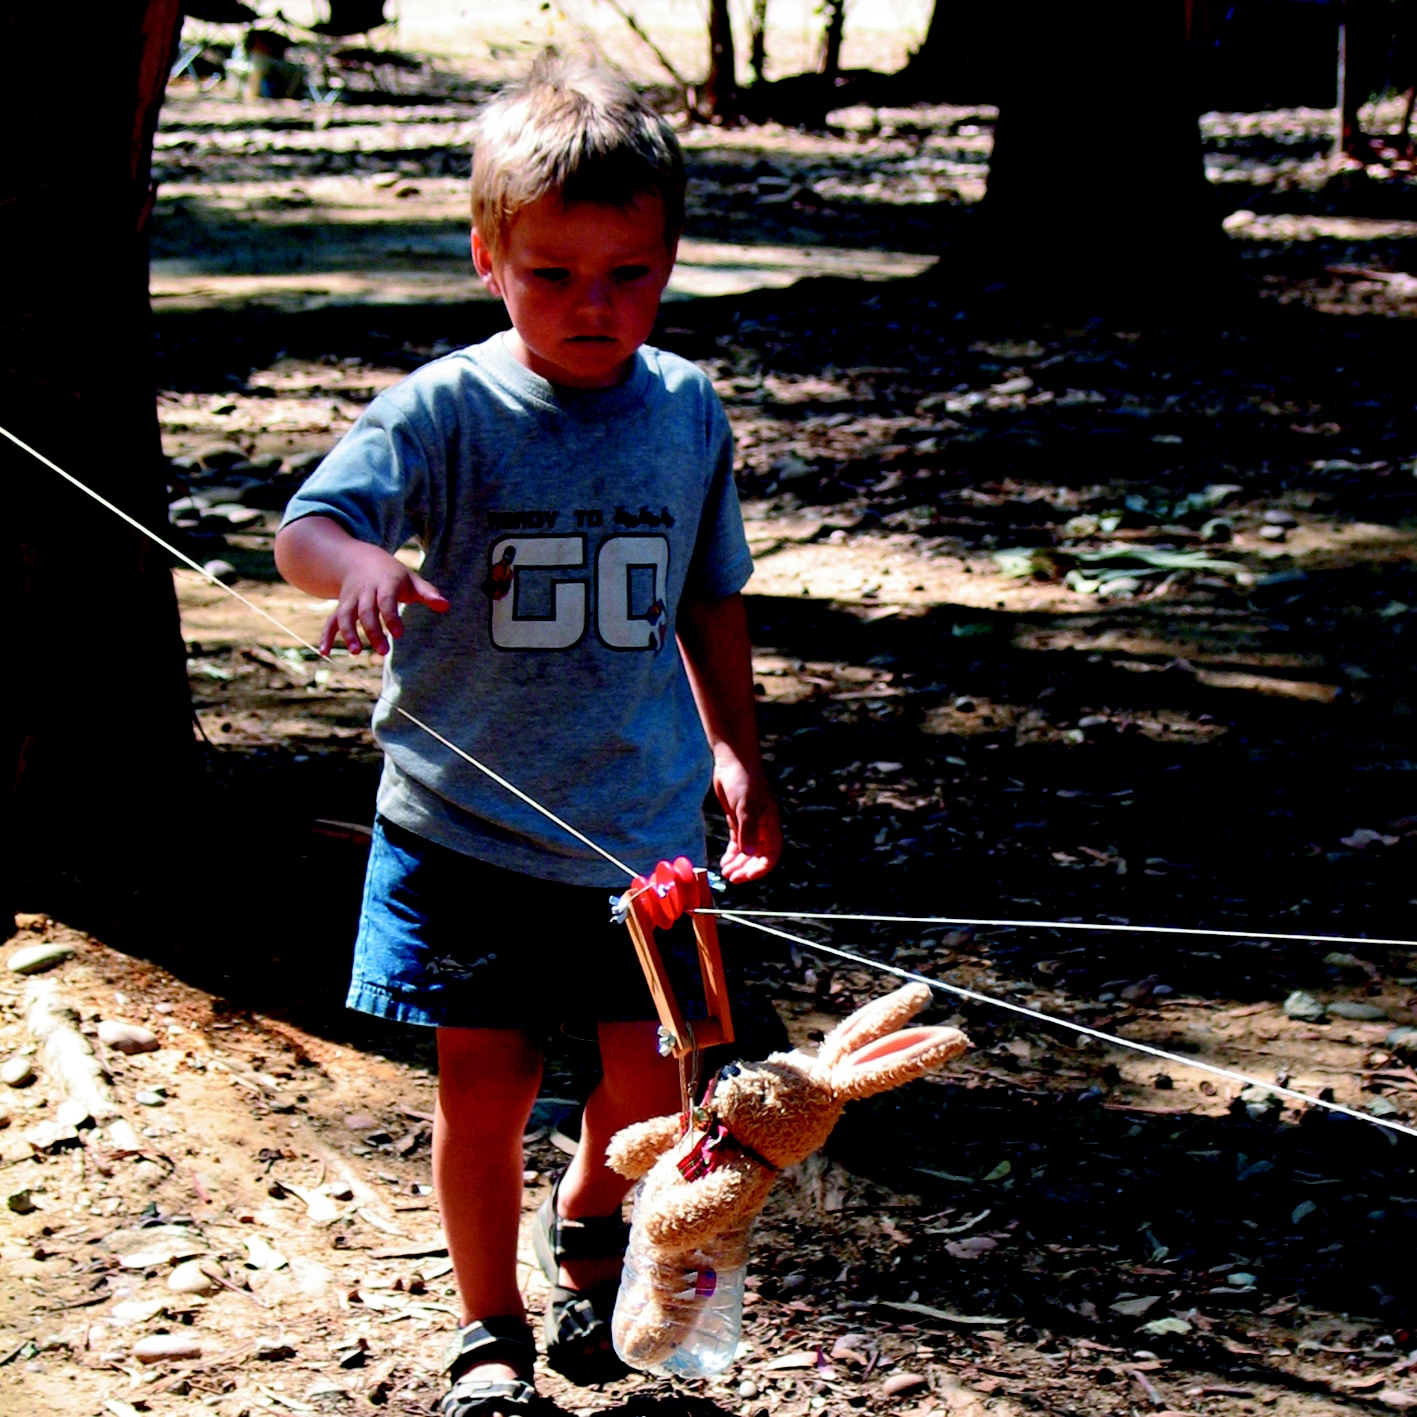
{"x": 1053, "y": 621}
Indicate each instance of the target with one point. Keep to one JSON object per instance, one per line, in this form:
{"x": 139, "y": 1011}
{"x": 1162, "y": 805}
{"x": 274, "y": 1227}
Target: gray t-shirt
{"x": 564, "y": 527}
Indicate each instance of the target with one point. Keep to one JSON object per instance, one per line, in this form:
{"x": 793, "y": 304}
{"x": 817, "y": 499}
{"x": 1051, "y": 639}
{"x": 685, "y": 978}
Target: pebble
{"x": 1277, "y": 516}
{"x": 1240, "y": 1279}
{"x": 166, "y": 1348}
{"x": 303, "y": 464}
{"x": 20, "y": 1202}
{"x": 791, "y": 1283}
{"x": 31, "y": 959}
{"x": 1303, "y": 1006}
{"x": 1273, "y": 533}
{"x": 1357, "y": 1013}
{"x": 127, "y": 1037}
{"x": 122, "y": 1137}
{"x": 898, "y": 1383}
{"x": 149, "y": 1097}
{"x": 361, "y": 1122}
{"x": 73, "y": 1112}
{"x": 747, "y": 1388}
{"x": 219, "y": 455}
{"x": 220, "y": 570}
{"x": 1404, "y": 1041}
{"x": 190, "y": 1278}
{"x": 17, "y": 1072}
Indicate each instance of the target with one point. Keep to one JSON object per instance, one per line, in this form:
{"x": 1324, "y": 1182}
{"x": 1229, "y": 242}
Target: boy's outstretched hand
{"x": 369, "y": 599}
{"x": 321, "y": 557}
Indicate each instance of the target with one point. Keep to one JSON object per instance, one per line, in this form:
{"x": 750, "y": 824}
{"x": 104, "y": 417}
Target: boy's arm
{"x": 317, "y": 555}
{"x": 713, "y": 638}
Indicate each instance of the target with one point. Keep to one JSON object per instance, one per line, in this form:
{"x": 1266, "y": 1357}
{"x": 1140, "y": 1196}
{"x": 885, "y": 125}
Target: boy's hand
{"x": 754, "y": 830}
{"x": 375, "y": 584}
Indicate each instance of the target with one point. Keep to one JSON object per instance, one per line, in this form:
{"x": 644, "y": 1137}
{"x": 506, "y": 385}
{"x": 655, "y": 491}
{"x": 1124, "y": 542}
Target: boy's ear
{"x": 482, "y": 264}
{"x": 895, "y": 1059}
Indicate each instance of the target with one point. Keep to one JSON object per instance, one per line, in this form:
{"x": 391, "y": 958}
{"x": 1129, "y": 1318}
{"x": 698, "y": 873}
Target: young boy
{"x": 577, "y": 625}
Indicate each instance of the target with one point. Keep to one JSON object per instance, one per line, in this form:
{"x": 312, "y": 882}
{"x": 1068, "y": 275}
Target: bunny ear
{"x": 874, "y": 1020}
{"x": 888, "y": 1062}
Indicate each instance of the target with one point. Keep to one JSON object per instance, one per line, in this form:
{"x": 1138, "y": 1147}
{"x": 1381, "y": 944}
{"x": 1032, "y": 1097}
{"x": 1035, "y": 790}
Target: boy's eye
{"x": 551, "y": 273}
{"x": 628, "y": 273}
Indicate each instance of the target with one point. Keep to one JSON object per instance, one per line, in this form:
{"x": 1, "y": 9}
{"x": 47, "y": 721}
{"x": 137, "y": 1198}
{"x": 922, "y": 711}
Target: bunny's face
{"x": 783, "y": 1108}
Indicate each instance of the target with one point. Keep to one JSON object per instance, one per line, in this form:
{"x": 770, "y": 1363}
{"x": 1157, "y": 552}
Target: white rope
{"x": 745, "y": 917}
{"x": 1065, "y": 925}
{"x": 742, "y": 918}
{"x": 301, "y": 640}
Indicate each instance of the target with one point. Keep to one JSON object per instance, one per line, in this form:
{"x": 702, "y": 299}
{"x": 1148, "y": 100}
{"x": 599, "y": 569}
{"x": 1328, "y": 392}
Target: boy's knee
{"x": 482, "y": 1071}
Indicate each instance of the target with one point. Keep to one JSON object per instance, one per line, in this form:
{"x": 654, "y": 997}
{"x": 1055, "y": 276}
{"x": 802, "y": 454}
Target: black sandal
{"x": 577, "y": 1324}
{"x": 496, "y": 1340}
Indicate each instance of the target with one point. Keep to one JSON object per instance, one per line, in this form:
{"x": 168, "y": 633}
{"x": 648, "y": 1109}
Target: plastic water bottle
{"x": 682, "y": 1316}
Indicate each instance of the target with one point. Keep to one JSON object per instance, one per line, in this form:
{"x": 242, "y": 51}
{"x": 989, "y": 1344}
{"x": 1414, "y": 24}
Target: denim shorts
{"x": 448, "y": 941}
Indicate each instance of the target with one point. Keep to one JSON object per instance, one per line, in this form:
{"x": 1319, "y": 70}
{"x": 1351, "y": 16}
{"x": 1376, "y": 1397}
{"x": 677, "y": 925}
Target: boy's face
{"x": 581, "y": 284}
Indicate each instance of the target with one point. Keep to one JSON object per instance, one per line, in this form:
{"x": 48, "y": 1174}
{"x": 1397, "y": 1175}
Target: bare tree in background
{"x": 96, "y": 718}
{"x": 720, "y": 91}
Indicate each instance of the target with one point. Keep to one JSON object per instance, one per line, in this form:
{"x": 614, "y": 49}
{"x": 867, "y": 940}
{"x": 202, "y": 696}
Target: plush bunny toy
{"x": 703, "y": 1183}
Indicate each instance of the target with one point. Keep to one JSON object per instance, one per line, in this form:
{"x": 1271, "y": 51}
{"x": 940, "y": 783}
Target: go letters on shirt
{"x": 544, "y": 591}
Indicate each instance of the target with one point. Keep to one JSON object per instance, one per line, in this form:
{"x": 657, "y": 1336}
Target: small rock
{"x": 30, "y": 920}
{"x": 791, "y": 1283}
{"x": 747, "y": 1388}
{"x": 190, "y": 1278}
{"x": 340, "y": 1191}
{"x": 31, "y": 959}
{"x": 303, "y": 464}
{"x": 1134, "y": 1308}
{"x": 20, "y": 1202}
{"x": 1381, "y": 1107}
{"x": 361, "y": 1122}
{"x": 150, "y": 1097}
{"x": 220, "y": 570}
{"x": 1365, "y": 837}
{"x": 219, "y": 455}
{"x": 1240, "y": 1278}
{"x": 1162, "y": 1328}
{"x": 1273, "y": 533}
{"x": 74, "y": 1112}
{"x": 1396, "y": 1397}
{"x": 272, "y": 1350}
{"x": 1357, "y": 1013}
{"x": 166, "y": 1348}
{"x": 127, "y": 1037}
{"x": 1404, "y": 1041}
{"x": 17, "y": 1072}
{"x": 1277, "y": 516}
{"x": 122, "y": 1137}
{"x": 1305, "y": 1007}
{"x": 128, "y": 1312}
{"x": 899, "y": 1383}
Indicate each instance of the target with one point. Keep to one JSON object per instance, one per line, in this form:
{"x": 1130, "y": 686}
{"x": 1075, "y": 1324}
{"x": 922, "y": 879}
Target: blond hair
{"x": 577, "y": 131}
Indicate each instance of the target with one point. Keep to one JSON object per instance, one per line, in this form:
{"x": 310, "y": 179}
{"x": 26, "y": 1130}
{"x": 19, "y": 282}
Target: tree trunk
{"x": 758, "y": 42}
{"x": 832, "y": 36}
{"x": 96, "y": 727}
{"x": 720, "y": 92}
{"x": 1097, "y": 190}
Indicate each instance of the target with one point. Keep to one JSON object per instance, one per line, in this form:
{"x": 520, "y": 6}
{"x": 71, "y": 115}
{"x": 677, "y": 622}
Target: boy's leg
{"x": 487, "y": 1084}
{"x": 636, "y": 1084}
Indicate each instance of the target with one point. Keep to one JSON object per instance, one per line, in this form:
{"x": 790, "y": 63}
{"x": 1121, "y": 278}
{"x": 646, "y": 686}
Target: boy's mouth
{"x": 592, "y": 339}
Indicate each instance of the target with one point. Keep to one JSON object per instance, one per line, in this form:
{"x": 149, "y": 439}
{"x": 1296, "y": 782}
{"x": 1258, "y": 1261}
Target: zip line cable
{"x": 1081, "y": 1028}
{"x": 753, "y": 919}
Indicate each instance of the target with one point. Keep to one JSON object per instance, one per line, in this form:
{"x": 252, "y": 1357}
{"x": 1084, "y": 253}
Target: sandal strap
{"x": 468, "y": 1397}
{"x": 502, "y": 1338}
{"x": 596, "y": 1237}
{"x": 592, "y": 1237}
{"x": 580, "y": 1313}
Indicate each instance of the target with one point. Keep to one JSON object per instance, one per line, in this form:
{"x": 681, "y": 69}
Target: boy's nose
{"x": 596, "y": 294}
